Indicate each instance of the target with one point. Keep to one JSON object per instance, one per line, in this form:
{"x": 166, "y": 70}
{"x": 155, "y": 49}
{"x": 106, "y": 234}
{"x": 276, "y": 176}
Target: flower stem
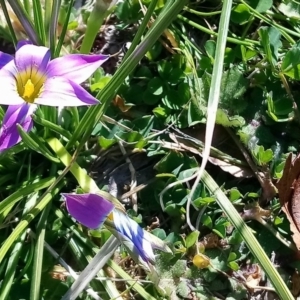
{"x": 85, "y": 181}
{"x": 94, "y": 23}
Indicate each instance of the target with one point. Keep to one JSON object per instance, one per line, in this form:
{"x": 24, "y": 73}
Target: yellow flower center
{"x": 110, "y": 217}
{"x": 28, "y": 90}
{"x": 30, "y": 84}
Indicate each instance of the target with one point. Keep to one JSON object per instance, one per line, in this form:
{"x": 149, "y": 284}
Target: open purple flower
{"x": 91, "y": 210}
{"x": 31, "y": 78}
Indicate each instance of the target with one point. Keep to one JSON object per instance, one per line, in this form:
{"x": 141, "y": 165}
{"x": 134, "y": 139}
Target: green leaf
{"x": 106, "y": 143}
{"x": 160, "y": 233}
{"x": 223, "y": 119}
{"x": 270, "y": 41}
{"x": 261, "y": 6}
{"x": 183, "y": 290}
{"x": 134, "y": 94}
{"x": 220, "y": 231}
{"x": 144, "y": 72}
{"x": 232, "y": 256}
{"x": 233, "y": 87}
{"x": 203, "y": 201}
{"x": 173, "y": 100}
{"x": 279, "y": 170}
{"x": 128, "y": 11}
{"x": 170, "y": 72}
{"x": 233, "y": 265}
{"x": 160, "y": 112}
{"x": 234, "y": 194}
{"x": 207, "y": 221}
{"x": 254, "y": 245}
{"x": 131, "y": 137}
{"x": 36, "y": 143}
{"x": 155, "y": 86}
{"x": 192, "y": 239}
{"x": 291, "y": 62}
{"x": 149, "y": 98}
{"x": 210, "y": 47}
{"x": 240, "y": 14}
{"x": 169, "y": 163}
{"x": 218, "y": 258}
{"x": 278, "y": 221}
{"x": 290, "y": 8}
{"x": 173, "y": 210}
{"x": 235, "y": 238}
{"x": 143, "y": 125}
{"x": 252, "y": 195}
{"x": 155, "y": 51}
{"x": 195, "y": 113}
{"x": 184, "y": 92}
{"x": 281, "y": 109}
{"x": 100, "y": 84}
{"x": 54, "y": 127}
{"x": 264, "y": 156}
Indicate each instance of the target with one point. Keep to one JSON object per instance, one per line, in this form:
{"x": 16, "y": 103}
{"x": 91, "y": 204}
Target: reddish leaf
{"x": 289, "y": 195}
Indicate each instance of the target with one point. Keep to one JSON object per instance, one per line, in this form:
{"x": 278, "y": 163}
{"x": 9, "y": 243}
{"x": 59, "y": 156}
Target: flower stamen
{"x": 110, "y": 217}
{"x": 28, "y": 93}
{"x": 30, "y": 86}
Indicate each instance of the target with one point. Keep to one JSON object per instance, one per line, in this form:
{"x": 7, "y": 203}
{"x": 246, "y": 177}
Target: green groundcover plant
{"x": 203, "y": 219}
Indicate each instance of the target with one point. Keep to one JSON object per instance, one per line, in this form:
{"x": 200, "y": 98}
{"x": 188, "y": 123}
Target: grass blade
{"x": 97, "y": 263}
{"x": 213, "y": 100}
{"x": 248, "y": 237}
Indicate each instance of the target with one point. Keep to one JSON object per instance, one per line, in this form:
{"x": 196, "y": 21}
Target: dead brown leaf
{"x": 58, "y": 272}
{"x": 253, "y": 279}
{"x": 210, "y": 241}
{"x": 255, "y": 212}
{"x": 289, "y": 195}
{"x": 251, "y": 275}
{"x": 120, "y": 103}
{"x": 236, "y": 171}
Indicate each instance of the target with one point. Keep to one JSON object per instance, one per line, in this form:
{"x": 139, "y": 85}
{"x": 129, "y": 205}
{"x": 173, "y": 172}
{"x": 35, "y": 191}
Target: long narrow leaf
{"x": 93, "y": 115}
{"x": 248, "y": 237}
{"x": 92, "y": 269}
{"x": 213, "y": 99}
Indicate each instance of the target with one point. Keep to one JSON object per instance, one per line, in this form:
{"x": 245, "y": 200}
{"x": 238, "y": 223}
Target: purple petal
{"x": 91, "y": 210}
{"x": 15, "y": 114}
{"x": 22, "y": 43}
{"x": 4, "y": 59}
{"x": 31, "y": 57}
{"x": 58, "y": 91}
{"x": 8, "y": 88}
{"x": 129, "y": 229}
{"x": 75, "y": 67}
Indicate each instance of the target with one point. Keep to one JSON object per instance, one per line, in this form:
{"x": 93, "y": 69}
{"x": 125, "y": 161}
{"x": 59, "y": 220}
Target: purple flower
{"x": 31, "y": 78}
{"x": 128, "y": 230}
{"x": 15, "y": 114}
{"x": 91, "y": 210}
